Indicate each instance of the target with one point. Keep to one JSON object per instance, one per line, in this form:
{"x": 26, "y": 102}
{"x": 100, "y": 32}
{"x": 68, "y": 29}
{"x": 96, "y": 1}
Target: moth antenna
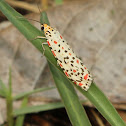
{"x": 34, "y": 20}
{"x": 30, "y": 19}
{"x": 39, "y": 8}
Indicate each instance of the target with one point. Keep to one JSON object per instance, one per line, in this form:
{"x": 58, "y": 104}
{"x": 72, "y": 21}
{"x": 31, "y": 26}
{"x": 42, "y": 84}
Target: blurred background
{"x": 96, "y": 30}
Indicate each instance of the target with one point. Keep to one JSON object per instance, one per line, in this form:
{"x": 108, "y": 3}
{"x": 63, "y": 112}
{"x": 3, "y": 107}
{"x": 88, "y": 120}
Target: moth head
{"x": 45, "y": 27}
{"x": 42, "y": 27}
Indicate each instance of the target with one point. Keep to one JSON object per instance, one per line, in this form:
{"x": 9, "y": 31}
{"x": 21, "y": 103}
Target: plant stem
{"x": 9, "y": 103}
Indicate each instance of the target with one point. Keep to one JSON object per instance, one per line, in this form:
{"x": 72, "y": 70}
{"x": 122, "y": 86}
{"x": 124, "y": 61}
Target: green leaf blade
{"x": 103, "y": 105}
{"x": 37, "y": 108}
{"x": 71, "y": 101}
{"x": 3, "y": 89}
{"x": 24, "y": 94}
{"x": 20, "y": 118}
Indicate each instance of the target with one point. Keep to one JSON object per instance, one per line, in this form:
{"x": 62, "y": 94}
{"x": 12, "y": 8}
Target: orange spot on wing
{"x": 48, "y": 43}
{"x": 53, "y": 53}
{"x": 55, "y": 42}
{"x": 86, "y": 76}
{"x": 66, "y": 74}
{"x": 77, "y": 61}
{"x": 85, "y": 68}
{"x": 80, "y": 84}
{"x": 70, "y": 54}
{"x": 62, "y": 47}
{"x": 60, "y": 65}
{"x": 74, "y": 71}
{"x": 61, "y": 37}
{"x": 75, "y": 82}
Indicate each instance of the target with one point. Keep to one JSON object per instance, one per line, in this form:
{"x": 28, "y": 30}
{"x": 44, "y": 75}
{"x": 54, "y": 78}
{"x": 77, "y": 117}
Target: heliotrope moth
{"x": 72, "y": 66}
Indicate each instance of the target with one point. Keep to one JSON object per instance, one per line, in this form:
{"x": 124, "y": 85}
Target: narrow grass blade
{"x": 104, "y": 106}
{"x": 9, "y": 102}
{"x": 24, "y": 94}
{"x": 2, "y": 85}
{"x": 2, "y": 93}
{"x": 9, "y": 106}
{"x": 38, "y": 108}
{"x": 20, "y": 118}
{"x": 71, "y": 101}
{"x": 44, "y": 18}
{"x": 3, "y": 89}
{"x": 10, "y": 82}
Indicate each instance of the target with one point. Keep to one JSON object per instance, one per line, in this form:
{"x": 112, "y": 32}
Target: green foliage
{"x": 9, "y": 102}
{"x": 20, "y": 118}
{"x": 3, "y": 89}
{"x": 25, "y": 94}
{"x": 70, "y": 99}
{"x": 38, "y": 108}
{"x": 6, "y": 92}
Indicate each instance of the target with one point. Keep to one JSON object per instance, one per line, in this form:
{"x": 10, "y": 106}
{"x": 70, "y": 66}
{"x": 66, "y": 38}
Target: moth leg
{"x": 59, "y": 63}
{"x": 38, "y": 37}
{"x": 44, "y": 43}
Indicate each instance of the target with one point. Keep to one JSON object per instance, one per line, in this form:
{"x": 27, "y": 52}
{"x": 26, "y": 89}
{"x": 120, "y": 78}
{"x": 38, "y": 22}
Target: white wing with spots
{"x": 72, "y": 66}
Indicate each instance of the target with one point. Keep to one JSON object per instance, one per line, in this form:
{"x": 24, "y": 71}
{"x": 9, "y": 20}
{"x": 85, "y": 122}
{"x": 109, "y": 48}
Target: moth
{"x": 72, "y": 66}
